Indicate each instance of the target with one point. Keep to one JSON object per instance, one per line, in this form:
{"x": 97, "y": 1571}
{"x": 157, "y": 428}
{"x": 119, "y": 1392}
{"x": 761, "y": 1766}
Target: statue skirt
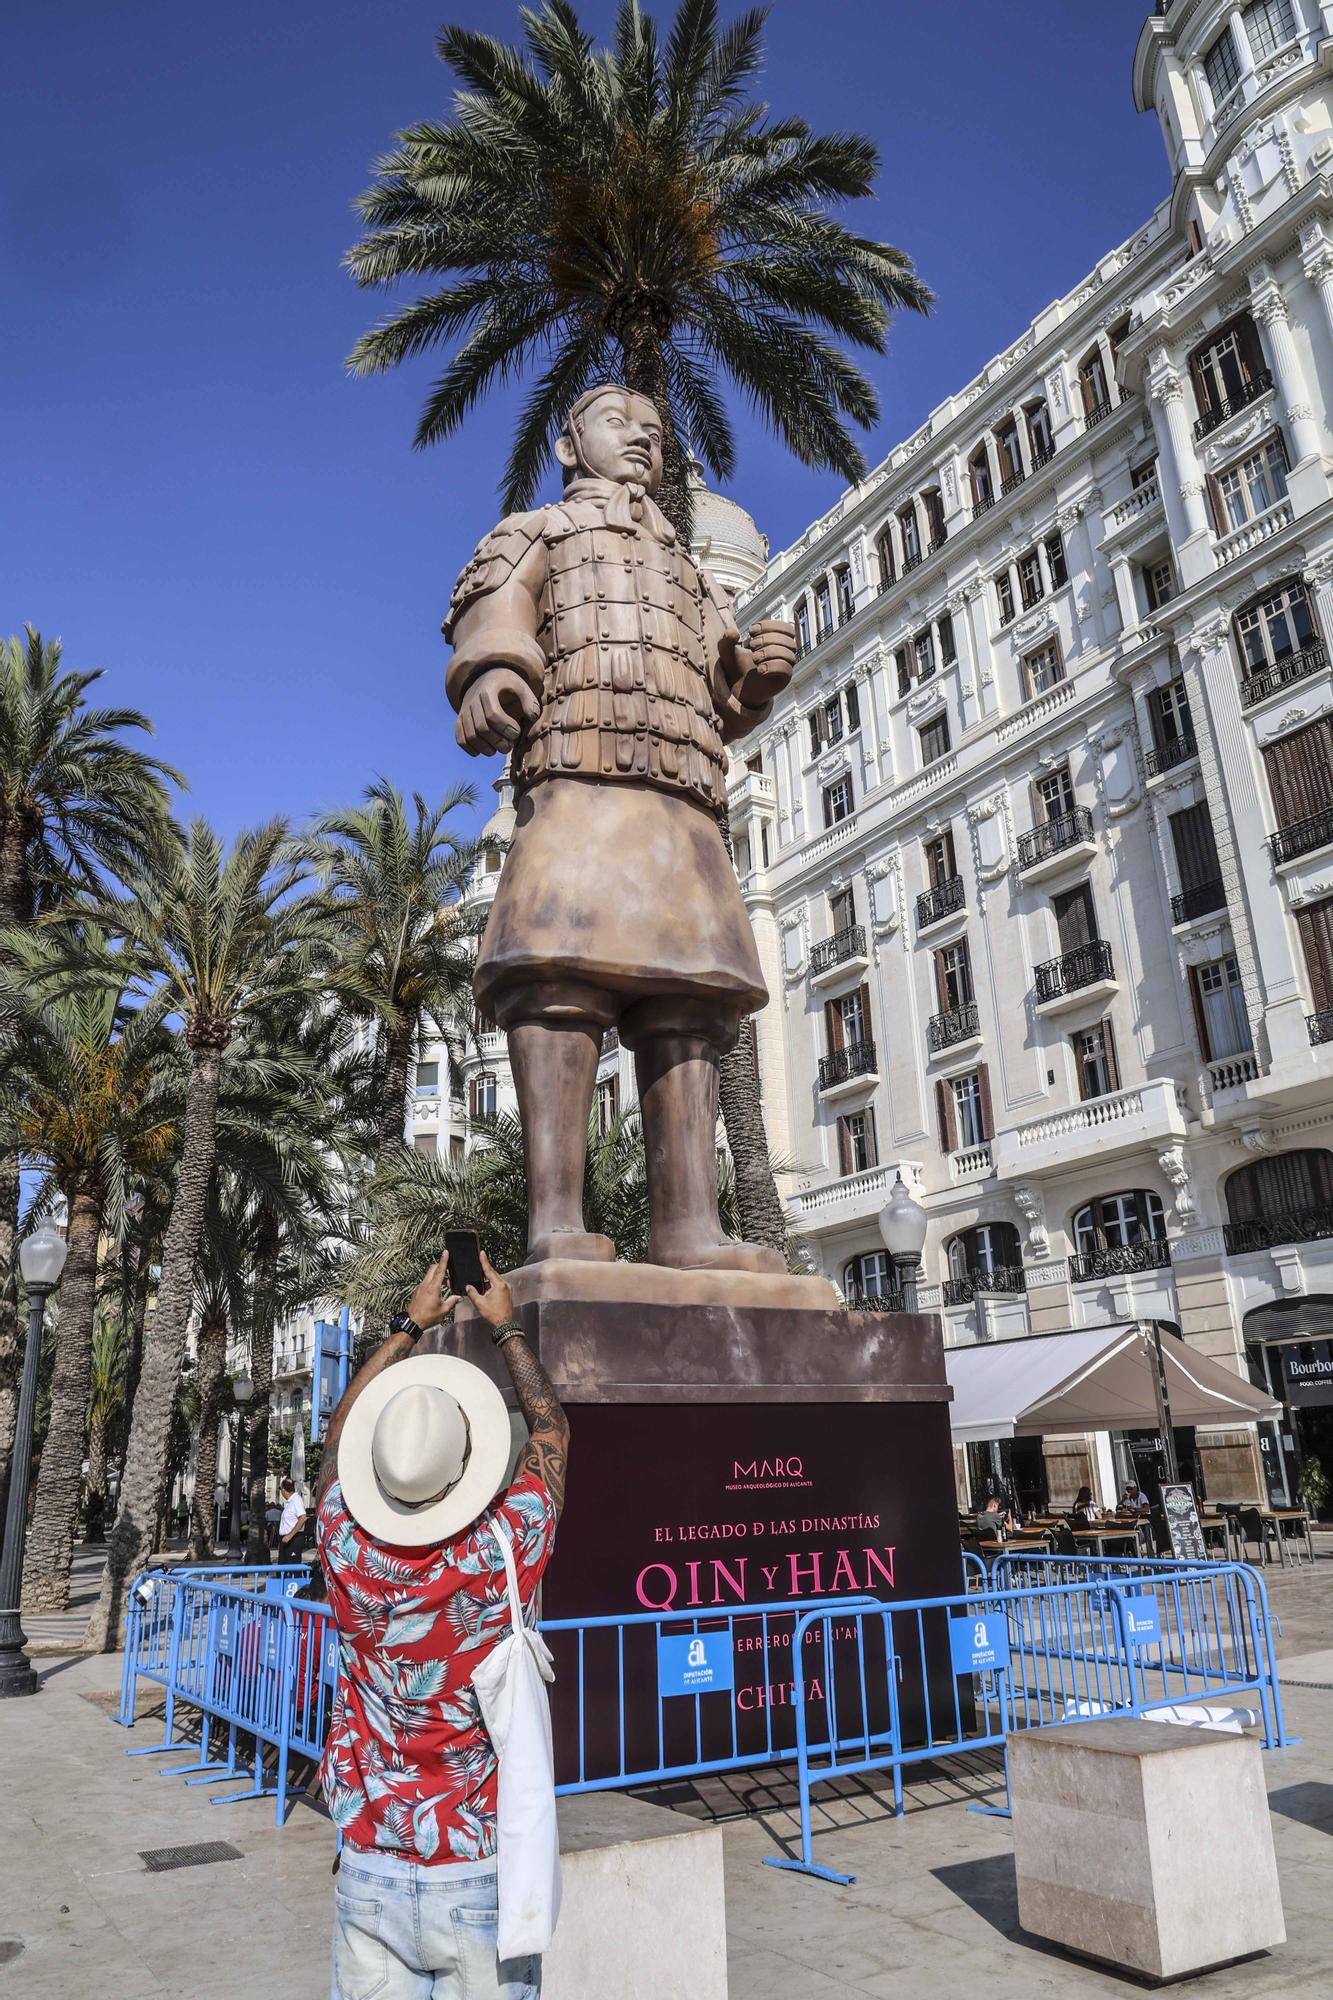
{"x": 615, "y": 897}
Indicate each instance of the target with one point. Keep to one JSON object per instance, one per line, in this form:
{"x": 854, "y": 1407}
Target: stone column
{"x": 1122, "y": 577}
{"x": 975, "y": 596}
{"x": 1073, "y": 525}
{"x": 1270, "y": 310}
{"x": 1317, "y": 263}
{"x": 969, "y": 679}
{"x": 1178, "y": 472}
{"x": 1244, "y": 53}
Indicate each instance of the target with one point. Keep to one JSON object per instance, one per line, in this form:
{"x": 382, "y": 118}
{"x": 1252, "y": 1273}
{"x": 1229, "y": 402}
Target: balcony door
{"x": 1075, "y": 918}
{"x": 1288, "y": 1184}
{"x": 1196, "y": 850}
{"x": 941, "y": 865}
{"x": 1316, "y": 929}
{"x": 848, "y": 1020}
{"x": 953, "y": 978}
{"x": 1056, "y": 794}
{"x": 1300, "y": 772}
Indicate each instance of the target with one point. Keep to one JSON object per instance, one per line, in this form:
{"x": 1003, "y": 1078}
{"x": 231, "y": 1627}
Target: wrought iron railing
{"x": 1083, "y": 966}
{"x": 911, "y": 562}
{"x": 1040, "y": 458}
{"x": 876, "y": 1302}
{"x": 955, "y": 1024}
{"x": 610, "y": 1041}
{"x": 1198, "y": 901}
{"x": 1248, "y": 393}
{"x": 1283, "y": 673}
{"x": 1320, "y": 1026}
{"x": 844, "y": 944}
{"x": 857, "y": 1059}
{"x": 1004, "y": 1278}
{"x": 1166, "y": 756}
{"x": 936, "y": 542}
{"x": 941, "y": 901}
{"x": 1113, "y": 1260}
{"x": 1013, "y": 482}
{"x": 1302, "y": 836}
{"x": 983, "y": 506}
{"x": 1054, "y": 835}
{"x": 1297, "y": 1225}
{"x": 1097, "y": 415}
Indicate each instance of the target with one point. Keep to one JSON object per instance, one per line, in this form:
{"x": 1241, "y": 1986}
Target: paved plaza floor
{"x": 932, "y": 1911}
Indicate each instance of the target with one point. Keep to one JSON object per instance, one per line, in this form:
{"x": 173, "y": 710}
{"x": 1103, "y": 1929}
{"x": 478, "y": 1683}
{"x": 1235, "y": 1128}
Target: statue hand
{"x": 496, "y": 709}
{"x": 771, "y": 645}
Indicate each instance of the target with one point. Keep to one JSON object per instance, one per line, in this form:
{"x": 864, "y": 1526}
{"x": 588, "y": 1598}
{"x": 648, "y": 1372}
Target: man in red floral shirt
{"x": 409, "y": 1771}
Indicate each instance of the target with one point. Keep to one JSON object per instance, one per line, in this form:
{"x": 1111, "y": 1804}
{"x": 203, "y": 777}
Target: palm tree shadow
{"x": 1310, "y": 1803}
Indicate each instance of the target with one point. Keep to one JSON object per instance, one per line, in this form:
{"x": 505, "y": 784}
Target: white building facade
{"x": 1038, "y": 847}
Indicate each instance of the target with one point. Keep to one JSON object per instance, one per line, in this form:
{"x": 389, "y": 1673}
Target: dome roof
{"x": 499, "y": 828}
{"x": 725, "y": 536}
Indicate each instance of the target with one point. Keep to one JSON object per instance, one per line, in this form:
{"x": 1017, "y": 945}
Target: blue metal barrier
{"x": 974, "y": 1570}
{"x": 151, "y": 1620}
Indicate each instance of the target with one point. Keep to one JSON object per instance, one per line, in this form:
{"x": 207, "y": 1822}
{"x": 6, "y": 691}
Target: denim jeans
{"x": 404, "y": 1931}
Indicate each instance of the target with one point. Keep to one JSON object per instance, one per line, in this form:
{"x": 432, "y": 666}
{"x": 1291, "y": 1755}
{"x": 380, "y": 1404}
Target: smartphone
{"x": 463, "y": 1249}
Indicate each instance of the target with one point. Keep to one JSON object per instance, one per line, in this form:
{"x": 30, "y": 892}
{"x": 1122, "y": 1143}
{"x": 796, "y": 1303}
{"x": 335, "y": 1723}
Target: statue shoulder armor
{"x": 494, "y": 560}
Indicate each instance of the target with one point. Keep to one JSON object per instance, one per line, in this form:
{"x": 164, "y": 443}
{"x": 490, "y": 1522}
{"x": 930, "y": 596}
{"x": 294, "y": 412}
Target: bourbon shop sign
{"x": 1307, "y": 1366}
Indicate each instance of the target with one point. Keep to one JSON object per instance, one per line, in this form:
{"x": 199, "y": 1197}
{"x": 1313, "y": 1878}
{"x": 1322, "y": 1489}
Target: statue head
{"x": 613, "y": 433}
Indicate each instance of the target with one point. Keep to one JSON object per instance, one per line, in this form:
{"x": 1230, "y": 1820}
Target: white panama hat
{"x": 424, "y": 1450}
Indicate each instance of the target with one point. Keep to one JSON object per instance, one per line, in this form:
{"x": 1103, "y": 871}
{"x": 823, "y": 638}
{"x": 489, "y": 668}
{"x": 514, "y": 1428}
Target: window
{"x": 1315, "y": 925}
{"x": 934, "y": 507}
{"x": 816, "y": 731}
{"x": 1055, "y": 793}
{"x": 425, "y": 1142}
{"x": 1224, "y": 1025}
{"x": 428, "y": 1076}
{"x": 833, "y": 721}
{"x": 853, "y": 701}
{"x": 924, "y": 649}
{"x": 868, "y": 1276}
{"x": 978, "y": 472}
{"x": 884, "y": 554}
{"x": 970, "y": 1120}
{"x": 1114, "y": 1221}
{"x": 846, "y": 601}
{"x": 1094, "y": 1057}
{"x": 1221, "y": 66}
{"x": 1269, "y": 23}
{"x": 941, "y": 865}
{"x": 1159, "y": 583}
{"x": 1043, "y": 668}
{"x": 1287, "y": 1184}
{"x": 608, "y": 1104}
{"x": 1055, "y": 560}
{"x": 1143, "y": 475}
{"x": 953, "y": 977}
{"x": 1298, "y": 768}
{"x": 1011, "y": 464}
{"x": 1170, "y": 713}
{"x": 1040, "y": 439}
{"x": 842, "y": 911}
{"x": 1004, "y": 597}
{"x": 902, "y": 665}
{"x": 990, "y": 1247}
{"x": 1092, "y": 382}
{"x": 1251, "y": 487}
{"x": 481, "y": 1097}
{"x": 856, "y": 1142}
{"x": 911, "y": 534}
{"x": 803, "y": 627}
{"x": 754, "y": 764}
{"x": 1224, "y": 368}
{"x": 1075, "y": 918}
{"x": 1276, "y": 626}
{"x": 837, "y": 801}
{"x": 934, "y": 739}
{"x": 491, "y": 861}
{"x": 1030, "y": 580}
{"x": 851, "y": 1012}
{"x": 1196, "y": 859}
{"x": 948, "y": 645}
{"x": 823, "y": 607}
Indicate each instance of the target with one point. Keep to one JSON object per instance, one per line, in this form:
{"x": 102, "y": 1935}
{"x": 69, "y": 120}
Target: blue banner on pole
{"x": 695, "y": 1663}
{"x": 979, "y": 1643}
{"x": 324, "y": 1386}
{"x": 1143, "y": 1620}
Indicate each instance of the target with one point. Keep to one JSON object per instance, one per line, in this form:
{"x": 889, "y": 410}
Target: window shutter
{"x": 1298, "y": 768}
{"x": 1112, "y": 1065}
{"x": 868, "y": 1029}
{"x": 1316, "y": 932}
{"x": 472, "y": 1097}
{"x": 1196, "y": 850}
{"x": 1075, "y": 918}
{"x": 941, "y": 989}
{"x": 983, "y": 1092}
{"x": 844, "y": 1149}
{"x": 944, "y": 1112}
{"x": 832, "y": 1027}
{"x": 1200, "y": 1018}
{"x": 872, "y": 1143}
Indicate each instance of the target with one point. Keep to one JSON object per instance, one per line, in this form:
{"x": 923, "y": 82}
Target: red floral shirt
{"x": 408, "y": 1767}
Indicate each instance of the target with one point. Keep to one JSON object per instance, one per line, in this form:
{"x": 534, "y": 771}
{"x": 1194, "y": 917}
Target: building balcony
{"x": 913, "y": 561}
{"x": 1265, "y": 1232}
{"x": 844, "y": 952}
{"x": 1169, "y": 756}
{"x": 1138, "y": 502}
{"x": 1116, "y": 1260}
{"x": 934, "y": 905}
{"x": 1233, "y": 1072}
{"x": 1097, "y": 415}
{"x": 971, "y": 1162}
{"x": 1086, "y": 972}
{"x": 1250, "y": 534}
{"x": 1006, "y": 1279}
{"x": 845, "y": 1068}
{"x": 876, "y": 1302}
{"x": 956, "y": 1025}
{"x": 1149, "y": 1114}
{"x": 1250, "y": 393}
{"x": 1256, "y": 687}
{"x": 1040, "y": 458}
{"x": 1200, "y": 901}
{"x": 610, "y": 1041}
{"x": 980, "y": 507}
{"x": 1056, "y": 843}
{"x": 1303, "y": 836}
{"x": 936, "y": 542}
{"x": 1012, "y": 483}
{"x": 1320, "y": 1026}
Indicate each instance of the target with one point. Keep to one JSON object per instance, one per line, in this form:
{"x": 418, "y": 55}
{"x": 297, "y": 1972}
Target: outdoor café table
{"x": 1102, "y": 1532}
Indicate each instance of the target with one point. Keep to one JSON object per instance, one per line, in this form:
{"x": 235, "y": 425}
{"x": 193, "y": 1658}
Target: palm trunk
{"x": 261, "y": 1373}
{"x": 143, "y": 1487}
{"x": 55, "y": 1516}
{"x": 143, "y": 1285}
{"x": 95, "y": 1525}
{"x": 212, "y": 1370}
{"x": 400, "y": 1039}
{"x": 643, "y": 359}
{"x": 10, "y": 1357}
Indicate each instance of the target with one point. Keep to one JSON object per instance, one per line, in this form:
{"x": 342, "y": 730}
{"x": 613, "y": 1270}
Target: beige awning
{"x": 1096, "y": 1378}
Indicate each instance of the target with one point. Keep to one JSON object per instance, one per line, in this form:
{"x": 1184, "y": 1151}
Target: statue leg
{"x": 677, "y": 1077}
{"x": 554, "y": 1043}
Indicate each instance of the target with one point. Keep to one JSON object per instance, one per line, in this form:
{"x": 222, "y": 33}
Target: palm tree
{"x": 221, "y": 1300}
{"x": 106, "y": 1406}
{"x": 88, "y": 1092}
{"x": 394, "y": 882}
{"x": 217, "y": 938}
{"x": 74, "y": 800}
{"x": 632, "y": 212}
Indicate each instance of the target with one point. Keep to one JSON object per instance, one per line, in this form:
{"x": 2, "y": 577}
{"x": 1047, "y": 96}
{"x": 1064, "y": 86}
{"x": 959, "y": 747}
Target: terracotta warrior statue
{"x": 593, "y": 648}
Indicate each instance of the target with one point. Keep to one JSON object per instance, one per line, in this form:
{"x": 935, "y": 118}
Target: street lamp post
{"x": 242, "y": 1389}
{"x": 41, "y": 1260}
{"x": 902, "y": 1226}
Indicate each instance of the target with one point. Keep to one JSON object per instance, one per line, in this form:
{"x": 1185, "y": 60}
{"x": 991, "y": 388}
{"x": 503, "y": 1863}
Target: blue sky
{"x": 201, "y": 501}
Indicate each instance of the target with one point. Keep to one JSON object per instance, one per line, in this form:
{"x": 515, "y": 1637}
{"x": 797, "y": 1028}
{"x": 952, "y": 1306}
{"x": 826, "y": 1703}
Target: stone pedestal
{"x": 726, "y": 1455}
{"x": 1144, "y": 1844}
{"x": 644, "y": 1914}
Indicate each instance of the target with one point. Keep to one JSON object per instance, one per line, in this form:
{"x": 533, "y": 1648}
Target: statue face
{"x": 620, "y": 437}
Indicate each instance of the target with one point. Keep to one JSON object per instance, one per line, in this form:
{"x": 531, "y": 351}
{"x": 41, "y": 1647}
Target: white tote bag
{"x": 510, "y": 1688}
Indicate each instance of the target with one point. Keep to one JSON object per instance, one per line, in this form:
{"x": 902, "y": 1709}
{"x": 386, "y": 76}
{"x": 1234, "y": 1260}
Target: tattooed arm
{"x": 430, "y": 1303}
{"x": 547, "y": 1453}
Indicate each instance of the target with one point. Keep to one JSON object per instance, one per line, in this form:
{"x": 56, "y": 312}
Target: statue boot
{"x": 678, "y": 1095}
{"x": 555, "y": 1073}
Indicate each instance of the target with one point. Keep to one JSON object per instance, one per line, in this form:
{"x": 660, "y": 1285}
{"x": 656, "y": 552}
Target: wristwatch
{"x": 508, "y": 1329}
{"x": 404, "y": 1323}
